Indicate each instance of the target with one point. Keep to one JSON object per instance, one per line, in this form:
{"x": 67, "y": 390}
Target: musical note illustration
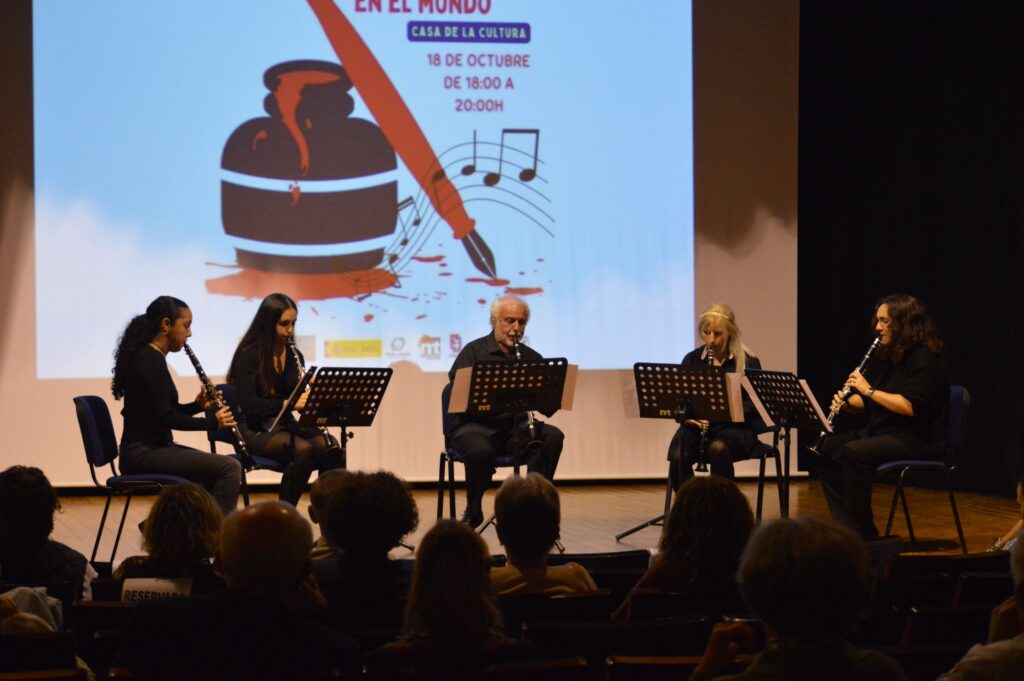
{"x": 526, "y": 174}
{"x": 403, "y": 206}
{"x": 470, "y": 168}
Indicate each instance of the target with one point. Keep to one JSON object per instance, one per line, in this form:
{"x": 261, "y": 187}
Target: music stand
{"x": 672, "y": 391}
{"x": 492, "y": 387}
{"x": 783, "y": 400}
{"x": 345, "y": 397}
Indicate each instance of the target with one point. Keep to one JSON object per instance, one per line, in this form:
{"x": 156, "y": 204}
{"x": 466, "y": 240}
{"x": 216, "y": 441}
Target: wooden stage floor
{"x": 593, "y": 515}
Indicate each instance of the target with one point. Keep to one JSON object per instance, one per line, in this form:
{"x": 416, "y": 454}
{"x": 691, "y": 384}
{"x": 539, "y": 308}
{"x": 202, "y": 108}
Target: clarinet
{"x": 844, "y": 395}
{"x": 211, "y": 392}
{"x": 329, "y": 441}
{"x": 702, "y": 464}
{"x": 531, "y": 428}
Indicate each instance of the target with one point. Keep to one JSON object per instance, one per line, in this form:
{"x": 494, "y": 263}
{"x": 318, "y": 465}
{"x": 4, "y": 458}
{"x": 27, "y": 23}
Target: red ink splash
{"x": 524, "y": 290}
{"x": 261, "y": 136}
{"x": 314, "y": 311}
{"x": 288, "y": 94}
{"x": 259, "y": 284}
{"x": 428, "y": 258}
{"x": 489, "y": 282}
{"x": 367, "y": 317}
{"x": 444, "y": 274}
{"x": 481, "y": 301}
{"x": 540, "y": 259}
{"x": 421, "y": 316}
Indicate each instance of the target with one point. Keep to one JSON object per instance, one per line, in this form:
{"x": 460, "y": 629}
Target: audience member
{"x": 1002, "y": 659}
{"x": 270, "y": 622}
{"x": 364, "y": 516}
{"x": 181, "y": 535}
{"x": 27, "y": 554}
{"x": 704, "y": 535}
{"x": 452, "y": 625}
{"x": 320, "y": 492}
{"x": 18, "y": 621}
{"x": 809, "y": 582}
{"x": 528, "y": 519}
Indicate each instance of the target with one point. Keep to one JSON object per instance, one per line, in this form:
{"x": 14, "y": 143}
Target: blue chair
{"x": 227, "y": 436}
{"x": 101, "y": 450}
{"x": 450, "y": 456}
{"x": 937, "y": 459}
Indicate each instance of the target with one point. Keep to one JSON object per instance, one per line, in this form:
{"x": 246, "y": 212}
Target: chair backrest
{"x": 959, "y": 408}
{"x": 448, "y": 421}
{"x": 97, "y": 430}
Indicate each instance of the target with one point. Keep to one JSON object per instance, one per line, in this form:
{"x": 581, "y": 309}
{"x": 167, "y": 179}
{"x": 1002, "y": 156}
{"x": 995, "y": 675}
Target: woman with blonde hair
{"x": 724, "y": 443}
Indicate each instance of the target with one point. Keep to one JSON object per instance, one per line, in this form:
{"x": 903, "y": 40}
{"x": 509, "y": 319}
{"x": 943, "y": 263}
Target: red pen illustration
{"x": 401, "y": 130}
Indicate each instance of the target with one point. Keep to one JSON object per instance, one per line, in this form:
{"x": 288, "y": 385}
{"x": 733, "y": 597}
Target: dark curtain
{"x": 911, "y": 179}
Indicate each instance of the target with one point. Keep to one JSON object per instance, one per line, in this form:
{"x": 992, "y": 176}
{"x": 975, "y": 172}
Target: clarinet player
{"x": 904, "y": 392}
{"x": 264, "y": 371}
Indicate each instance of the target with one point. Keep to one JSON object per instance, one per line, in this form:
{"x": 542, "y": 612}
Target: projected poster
{"x": 393, "y": 165}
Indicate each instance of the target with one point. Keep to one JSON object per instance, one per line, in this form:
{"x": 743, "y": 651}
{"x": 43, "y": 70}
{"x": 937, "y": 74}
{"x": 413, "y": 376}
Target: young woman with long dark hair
{"x": 151, "y": 408}
{"x": 264, "y": 370}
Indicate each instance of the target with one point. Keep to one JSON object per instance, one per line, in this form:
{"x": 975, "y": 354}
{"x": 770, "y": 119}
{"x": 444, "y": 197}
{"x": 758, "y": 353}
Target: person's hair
{"x": 509, "y": 298}
{"x": 721, "y": 316}
{"x": 450, "y": 602}
{"x": 182, "y": 528}
{"x": 27, "y": 504}
{"x": 528, "y": 515}
{"x": 262, "y": 333}
{"x": 140, "y": 331}
{"x": 24, "y": 623}
{"x": 706, "y": 530}
{"x": 809, "y": 580}
{"x": 264, "y": 550}
{"x": 367, "y": 514}
{"x": 910, "y": 324}
{"x": 323, "y": 490}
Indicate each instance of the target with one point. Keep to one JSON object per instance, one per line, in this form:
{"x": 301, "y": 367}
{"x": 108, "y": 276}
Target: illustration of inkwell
{"x": 299, "y": 192}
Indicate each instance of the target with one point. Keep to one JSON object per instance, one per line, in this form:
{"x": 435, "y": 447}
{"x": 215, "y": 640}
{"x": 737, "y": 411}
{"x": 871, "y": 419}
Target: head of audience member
{"x": 365, "y": 515}
{"x": 509, "y": 316}
{"x": 450, "y": 603}
{"x": 322, "y": 491}
{"x": 264, "y": 550}
{"x": 27, "y": 504}
{"x": 182, "y": 529}
{"x": 707, "y": 528}
{"x": 808, "y": 580}
{"x": 528, "y": 515}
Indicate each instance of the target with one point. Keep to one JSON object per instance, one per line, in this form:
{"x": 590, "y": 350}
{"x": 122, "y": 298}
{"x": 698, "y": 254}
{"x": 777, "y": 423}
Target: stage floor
{"x": 593, "y": 515}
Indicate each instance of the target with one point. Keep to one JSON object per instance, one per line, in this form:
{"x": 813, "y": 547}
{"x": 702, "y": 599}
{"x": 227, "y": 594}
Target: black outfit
{"x": 311, "y": 448}
{"x": 481, "y": 439}
{"x": 48, "y": 563}
{"x": 847, "y": 467}
{"x": 725, "y": 443}
{"x": 230, "y": 635}
{"x": 151, "y": 411}
{"x": 365, "y": 592}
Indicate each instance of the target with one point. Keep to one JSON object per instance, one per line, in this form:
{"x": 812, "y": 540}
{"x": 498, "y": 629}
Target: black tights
{"x": 310, "y": 451}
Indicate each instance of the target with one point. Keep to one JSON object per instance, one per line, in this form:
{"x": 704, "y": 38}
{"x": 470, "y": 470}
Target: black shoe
{"x": 472, "y": 517}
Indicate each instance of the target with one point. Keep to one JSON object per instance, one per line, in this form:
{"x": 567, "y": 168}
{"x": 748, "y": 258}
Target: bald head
{"x": 264, "y": 549}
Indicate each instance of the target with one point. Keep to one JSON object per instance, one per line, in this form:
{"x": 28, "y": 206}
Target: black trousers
{"x": 847, "y": 472}
{"x": 725, "y": 444}
{"x": 480, "y": 450}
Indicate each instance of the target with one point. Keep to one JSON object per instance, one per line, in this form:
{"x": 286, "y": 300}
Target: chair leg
{"x": 760, "y": 491}
{"x": 120, "y": 528}
{"x": 245, "y": 488}
{"x": 956, "y": 514}
{"x": 781, "y": 485}
{"x": 451, "y": 488}
{"x": 892, "y": 511}
{"x": 440, "y": 485}
{"x": 906, "y": 509}
{"x": 668, "y": 491}
{"x": 99, "y": 532}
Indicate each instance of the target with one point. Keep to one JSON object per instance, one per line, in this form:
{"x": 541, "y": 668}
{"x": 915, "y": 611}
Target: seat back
{"x": 37, "y": 651}
{"x": 590, "y": 606}
{"x": 956, "y": 429}
{"x": 97, "y": 431}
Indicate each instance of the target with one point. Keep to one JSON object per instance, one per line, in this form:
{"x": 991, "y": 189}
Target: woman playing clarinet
{"x": 904, "y": 391}
{"x": 265, "y": 371}
{"x": 724, "y": 443}
{"x": 151, "y": 408}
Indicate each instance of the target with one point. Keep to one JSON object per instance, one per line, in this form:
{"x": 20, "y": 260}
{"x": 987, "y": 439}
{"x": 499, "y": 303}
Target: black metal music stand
{"x": 672, "y": 391}
{"x": 345, "y": 397}
{"x": 785, "y": 401}
{"x": 500, "y": 386}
